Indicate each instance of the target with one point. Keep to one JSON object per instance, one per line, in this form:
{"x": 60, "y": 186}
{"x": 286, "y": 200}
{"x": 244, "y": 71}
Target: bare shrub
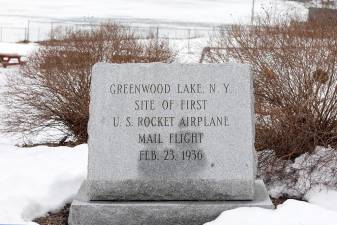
{"x": 52, "y": 89}
{"x": 295, "y": 80}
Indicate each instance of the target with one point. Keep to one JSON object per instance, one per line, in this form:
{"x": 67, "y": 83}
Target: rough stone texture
{"x": 227, "y": 168}
{"x": 188, "y": 189}
{"x": 84, "y": 212}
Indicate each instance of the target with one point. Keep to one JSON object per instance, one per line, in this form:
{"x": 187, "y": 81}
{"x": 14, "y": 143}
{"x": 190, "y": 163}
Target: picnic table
{"x": 10, "y": 59}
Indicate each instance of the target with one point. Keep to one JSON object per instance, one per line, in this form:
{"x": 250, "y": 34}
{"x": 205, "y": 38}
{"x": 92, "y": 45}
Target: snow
{"x": 15, "y": 48}
{"x": 208, "y": 11}
{"x": 291, "y": 212}
{"x": 188, "y": 51}
{"x": 4, "y": 139}
{"x": 315, "y": 181}
{"x": 34, "y": 19}
{"x": 323, "y": 197}
{"x": 307, "y": 172}
{"x": 36, "y": 180}
{"x": 315, "y": 175}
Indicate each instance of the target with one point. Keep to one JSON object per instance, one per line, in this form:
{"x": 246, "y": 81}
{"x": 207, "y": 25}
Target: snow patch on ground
{"x": 323, "y": 197}
{"x": 34, "y": 181}
{"x": 15, "y": 48}
{"x": 296, "y": 178}
{"x": 291, "y": 212}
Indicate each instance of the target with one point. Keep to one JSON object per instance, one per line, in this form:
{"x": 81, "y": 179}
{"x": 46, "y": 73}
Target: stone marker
{"x": 178, "y": 138}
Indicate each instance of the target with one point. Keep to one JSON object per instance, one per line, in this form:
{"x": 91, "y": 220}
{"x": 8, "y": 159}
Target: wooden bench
{"x": 5, "y": 59}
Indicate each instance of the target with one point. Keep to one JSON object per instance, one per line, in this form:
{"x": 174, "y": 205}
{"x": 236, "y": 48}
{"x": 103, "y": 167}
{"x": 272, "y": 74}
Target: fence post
{"x": 28, "y": 30}
{"x": 157, "y": 37}
{"x": 51, "y": 31}
{"x": 25, "y": 34}
{"x": 188, "y": 42}
{"x": 38, "y": 34}
{"x": 253, "y": 12}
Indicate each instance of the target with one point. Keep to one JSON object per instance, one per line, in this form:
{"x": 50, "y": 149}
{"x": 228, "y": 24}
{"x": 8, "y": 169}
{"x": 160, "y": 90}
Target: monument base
{"x": 84, "y": 212}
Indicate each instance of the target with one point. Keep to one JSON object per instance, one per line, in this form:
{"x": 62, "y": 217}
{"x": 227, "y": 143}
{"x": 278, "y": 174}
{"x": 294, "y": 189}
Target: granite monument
{"x": 169, "y": 144}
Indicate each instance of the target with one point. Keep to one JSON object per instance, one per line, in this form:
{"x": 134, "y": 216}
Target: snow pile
{"x": 320, "y": 3}
{"x": 291, "y": 212}
{"x": 295, "y": 178}
{"x": 321, "y": 209}
{"x": 36, "y": 180}
{"x": 20, "y": 49}
{"x": 323, "y": 197}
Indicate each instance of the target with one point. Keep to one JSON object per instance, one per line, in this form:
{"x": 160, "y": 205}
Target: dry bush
{"x": 295, "y": 80}
{"x": 52, "y": 89}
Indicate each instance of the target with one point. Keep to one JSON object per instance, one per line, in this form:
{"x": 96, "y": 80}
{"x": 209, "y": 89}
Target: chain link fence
{"x": 40, "y": 30}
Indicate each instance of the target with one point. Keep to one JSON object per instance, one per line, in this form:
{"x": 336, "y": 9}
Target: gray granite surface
{"x": 85, "y": 212}
{"x": 171, "y": 132}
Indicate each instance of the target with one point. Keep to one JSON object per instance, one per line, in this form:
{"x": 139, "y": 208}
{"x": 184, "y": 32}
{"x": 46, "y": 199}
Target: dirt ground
{"x": 59, "y": 218}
